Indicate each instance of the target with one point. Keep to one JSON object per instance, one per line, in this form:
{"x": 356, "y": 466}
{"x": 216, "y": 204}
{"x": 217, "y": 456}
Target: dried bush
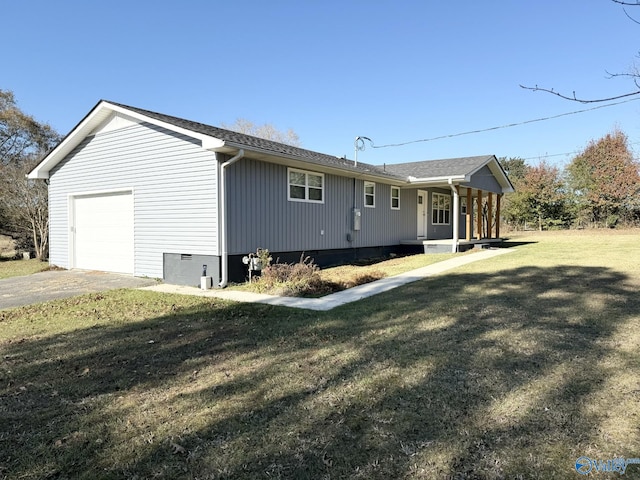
{"x": 293, "y": 279}
{"x": 361, "y": 279}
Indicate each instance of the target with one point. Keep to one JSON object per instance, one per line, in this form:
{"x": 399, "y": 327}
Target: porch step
{"x": 444, "y": 245}
{"x": 437, "y": 247}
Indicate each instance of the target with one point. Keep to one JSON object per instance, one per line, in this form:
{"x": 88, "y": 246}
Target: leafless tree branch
{"x": 629, "y": 16}
{"x": 622, "y": 2}
{"x": 634, "y": 74}
{"x": 580, "y": 100}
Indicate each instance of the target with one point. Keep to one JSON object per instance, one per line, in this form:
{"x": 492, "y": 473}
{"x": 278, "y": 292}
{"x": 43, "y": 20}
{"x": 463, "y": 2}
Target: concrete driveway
{"x": 51, "y": 285}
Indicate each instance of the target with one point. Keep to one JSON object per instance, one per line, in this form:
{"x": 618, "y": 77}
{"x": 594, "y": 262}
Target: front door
{"x": 422, "y": 214}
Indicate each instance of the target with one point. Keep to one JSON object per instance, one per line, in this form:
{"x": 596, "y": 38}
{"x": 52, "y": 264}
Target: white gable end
{"x": 116, "y": 121}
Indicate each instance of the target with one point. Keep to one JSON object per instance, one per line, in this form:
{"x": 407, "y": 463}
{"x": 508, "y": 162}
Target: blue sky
{"x": 394, "y": 71}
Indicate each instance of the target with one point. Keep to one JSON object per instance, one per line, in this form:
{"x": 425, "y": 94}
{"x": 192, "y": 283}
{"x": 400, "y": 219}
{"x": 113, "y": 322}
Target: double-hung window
{"x": 441, "y": 209}
{"x": 369, "y": 194}
{"x": 306, "y": 186}
{"x": 395, "y": 198}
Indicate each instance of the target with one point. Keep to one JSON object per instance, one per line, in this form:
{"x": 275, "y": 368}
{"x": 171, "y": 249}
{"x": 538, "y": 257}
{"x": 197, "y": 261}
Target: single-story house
{"x": 148, "y": 194}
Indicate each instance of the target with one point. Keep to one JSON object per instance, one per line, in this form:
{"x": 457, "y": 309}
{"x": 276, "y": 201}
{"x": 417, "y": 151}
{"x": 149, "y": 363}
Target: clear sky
{"x": 392, "y": 70}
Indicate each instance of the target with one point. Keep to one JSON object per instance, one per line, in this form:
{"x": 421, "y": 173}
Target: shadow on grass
{"x": 460, "y": 376}
{"x": 507, "y": 243}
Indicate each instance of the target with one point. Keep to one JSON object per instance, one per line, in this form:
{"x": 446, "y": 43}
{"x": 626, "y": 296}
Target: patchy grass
{"x": 349, "y": 274}
{"x": 18, "y": 268}
{"x": 511, "y": 368}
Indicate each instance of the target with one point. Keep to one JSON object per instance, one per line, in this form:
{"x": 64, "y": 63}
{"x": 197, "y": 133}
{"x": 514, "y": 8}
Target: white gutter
{"x": 456, "y": 216}
{"x": 432, "y": 180}
{"x": 223, "y": 218}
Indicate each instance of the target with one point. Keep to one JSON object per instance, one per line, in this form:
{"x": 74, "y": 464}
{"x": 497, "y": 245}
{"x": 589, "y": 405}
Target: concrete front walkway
{"x": 340, "y": 298}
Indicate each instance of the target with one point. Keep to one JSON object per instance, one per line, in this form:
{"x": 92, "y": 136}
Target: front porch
{"x": 447, "y": 245}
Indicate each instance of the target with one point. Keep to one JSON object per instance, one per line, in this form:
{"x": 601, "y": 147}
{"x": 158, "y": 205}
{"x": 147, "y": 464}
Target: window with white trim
{"x": 395, "y": 198}
{"x": 369, "y": 194}
{"x": 441, "y": 208}
{"x": 463, "y": 206}
{"x": 305, "y": 186}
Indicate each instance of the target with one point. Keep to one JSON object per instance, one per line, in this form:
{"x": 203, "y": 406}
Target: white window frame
{"x": 395, "y": 198}
{"x": 437, "y": 209}
{"x": 371, "y": 195}
{"x": 306, "y": 186}
{"x": 463, "y": 205}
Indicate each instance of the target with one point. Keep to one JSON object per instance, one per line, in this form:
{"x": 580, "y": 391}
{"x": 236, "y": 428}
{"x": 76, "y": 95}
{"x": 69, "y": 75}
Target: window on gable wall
{"x": 395, "y": 198}
{"x": 306, "y": 186}
{"x": 369, "y": 194}
{"x": 441, "y": 208}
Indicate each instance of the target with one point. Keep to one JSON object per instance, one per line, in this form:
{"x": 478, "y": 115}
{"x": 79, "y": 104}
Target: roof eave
{"x": 438, "y": 180}
{"x": 304, "y": 162}
{"x": 92, "y": 120}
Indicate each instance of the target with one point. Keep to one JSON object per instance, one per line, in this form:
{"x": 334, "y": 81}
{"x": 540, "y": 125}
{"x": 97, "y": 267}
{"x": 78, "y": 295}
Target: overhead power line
{"x": 505, "y": 126}
{"x": 575, "y": 152}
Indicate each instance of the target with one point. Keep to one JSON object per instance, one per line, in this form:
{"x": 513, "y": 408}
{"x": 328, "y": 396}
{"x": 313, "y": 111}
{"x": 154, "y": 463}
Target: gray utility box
{"x": 357, "y": 219}
{"x": 186, "y": 269}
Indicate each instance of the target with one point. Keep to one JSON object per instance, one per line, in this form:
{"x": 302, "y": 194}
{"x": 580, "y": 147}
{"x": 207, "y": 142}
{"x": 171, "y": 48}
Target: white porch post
{"x": 456, "y": 217}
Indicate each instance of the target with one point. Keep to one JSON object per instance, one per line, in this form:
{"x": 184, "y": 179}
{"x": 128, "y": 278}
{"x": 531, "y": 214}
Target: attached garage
{"x": 102, "y": 232}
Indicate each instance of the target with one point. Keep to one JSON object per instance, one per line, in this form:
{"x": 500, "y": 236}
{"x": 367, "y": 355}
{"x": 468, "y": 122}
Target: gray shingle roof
{"x": 439, "y": 168}
{"x": 241, "y": 140}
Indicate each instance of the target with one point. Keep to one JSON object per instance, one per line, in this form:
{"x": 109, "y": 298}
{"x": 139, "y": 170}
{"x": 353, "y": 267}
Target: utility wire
{"x": 575, "y": 152}
{"x": 504, "y": 126}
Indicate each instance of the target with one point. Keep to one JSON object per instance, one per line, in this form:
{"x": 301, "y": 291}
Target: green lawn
{"x": 510, "y": 368}
{"x": 17, "y": 268}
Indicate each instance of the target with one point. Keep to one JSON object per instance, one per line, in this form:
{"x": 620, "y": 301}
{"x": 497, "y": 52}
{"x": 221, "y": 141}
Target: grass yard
{"x": 509, "y": 369}
{"x": 17, "y": 268}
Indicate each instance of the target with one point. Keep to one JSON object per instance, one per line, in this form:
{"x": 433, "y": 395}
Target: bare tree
{"x": 23, "y": 203}
{"x": 634, "y": 74}
{"x": 266, "y": 131}
{"x": 26, "y": 211}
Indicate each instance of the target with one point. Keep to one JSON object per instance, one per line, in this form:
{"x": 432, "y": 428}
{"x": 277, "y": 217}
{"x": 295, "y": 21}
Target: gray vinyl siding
{"x": 173, "y": 182}
{"x": 261, "y": 216}
{"x": 484, "y": 180}
{"x": 437, "y": 231}
{"x": 382, "y": 226}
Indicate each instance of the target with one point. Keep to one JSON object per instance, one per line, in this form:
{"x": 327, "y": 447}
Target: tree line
{"x": 600, "y": 187}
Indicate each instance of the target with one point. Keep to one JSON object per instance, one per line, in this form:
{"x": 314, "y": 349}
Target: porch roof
{"x": 460, "y": 170}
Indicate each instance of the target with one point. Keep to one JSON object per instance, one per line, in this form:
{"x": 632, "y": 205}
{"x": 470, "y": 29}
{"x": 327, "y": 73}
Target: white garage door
{"x": 103, "y": 227}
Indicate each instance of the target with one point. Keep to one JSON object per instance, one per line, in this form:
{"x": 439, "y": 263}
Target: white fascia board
{"x": 99, "y": 114}
{"x": 68, "y": 143}
{"x": 204, "y": 139}
{"x": 501, "y": 176}
{"x": 439, "y": 180}
{"x": 212, "y": 143}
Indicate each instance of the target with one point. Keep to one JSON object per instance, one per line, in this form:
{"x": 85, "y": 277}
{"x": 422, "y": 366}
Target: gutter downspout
{"x": 456, "y": 216}
{"x": 223, "y": 217}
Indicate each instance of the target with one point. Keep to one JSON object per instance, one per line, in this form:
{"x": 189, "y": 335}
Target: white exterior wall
{"x": 173, "y": 180}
